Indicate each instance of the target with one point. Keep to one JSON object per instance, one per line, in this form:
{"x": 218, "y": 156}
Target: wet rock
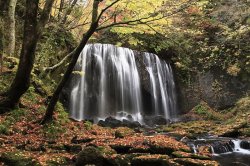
{"x": 90, "y": 156}
{"x": 110, "y": 122}
{"x": 222, "y": 147}
{"x": 113, "y": 123}
{"x": 129, "y": 117}
{"x": 130, "y": 124}
{"x": 149, "y": 160}
{"x": 245, "y": 144}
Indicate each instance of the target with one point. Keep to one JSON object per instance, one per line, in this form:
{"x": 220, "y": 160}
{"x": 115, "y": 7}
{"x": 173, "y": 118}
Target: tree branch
{"x": 52, "y": 68}
{"x": 106, "y": 8}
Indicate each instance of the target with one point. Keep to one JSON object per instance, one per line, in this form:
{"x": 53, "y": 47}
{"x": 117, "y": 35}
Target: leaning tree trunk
{"x": 9, "y": 38}
{"x": 32, "y": 32}
{"x": 50, "y": 109}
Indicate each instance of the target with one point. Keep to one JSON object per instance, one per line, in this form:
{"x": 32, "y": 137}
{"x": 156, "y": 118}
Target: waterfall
{"x": 162, "y": 85}
{"x": 107, "y": 82}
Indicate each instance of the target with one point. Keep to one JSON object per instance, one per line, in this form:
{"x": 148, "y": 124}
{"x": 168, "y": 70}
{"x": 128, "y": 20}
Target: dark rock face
{"x": 215, "y": 87}
{"x": 245, "y": 144}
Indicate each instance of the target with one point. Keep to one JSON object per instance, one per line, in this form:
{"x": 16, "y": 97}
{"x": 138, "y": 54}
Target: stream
{"x": 227, "y": 151}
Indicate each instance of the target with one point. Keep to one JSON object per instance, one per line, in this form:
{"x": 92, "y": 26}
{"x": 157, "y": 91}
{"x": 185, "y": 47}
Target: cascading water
{"x": 162, "y": 85}
{"x": 227, "y": 151}
{"x": 106, "y": 83}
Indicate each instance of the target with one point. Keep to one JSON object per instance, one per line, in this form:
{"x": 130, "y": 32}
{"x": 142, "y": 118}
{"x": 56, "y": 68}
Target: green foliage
{"x": 54, "y": 45}
{"x": 53, "y": 130}
{"x": 88, "y": 125}
{"x": 200, "y": 109}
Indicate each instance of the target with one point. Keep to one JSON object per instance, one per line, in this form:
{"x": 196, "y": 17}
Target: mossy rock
{"x": 90, "y": 156}
{"x": 149, "y": 160}
{"x": 122, "y": 132}
{"x": 17, "y": 159}
{"x": 195, "y": 162}
{"x": 106, "y": 150}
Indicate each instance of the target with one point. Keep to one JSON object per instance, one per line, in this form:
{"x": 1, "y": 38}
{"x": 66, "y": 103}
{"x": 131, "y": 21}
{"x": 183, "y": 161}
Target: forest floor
{"x": 23, "y": 141}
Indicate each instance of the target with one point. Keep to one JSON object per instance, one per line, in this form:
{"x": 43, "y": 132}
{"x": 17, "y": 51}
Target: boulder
{"x": 245, "y": 144}
{"x": 114, "y": 123}
{"x": 110, "y": 122}
{"x": 130, "y": 124}
{"x": 90, "y": 156}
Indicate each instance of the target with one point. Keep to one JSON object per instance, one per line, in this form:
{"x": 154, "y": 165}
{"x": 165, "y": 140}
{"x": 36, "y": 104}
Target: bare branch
{"x": 52, "y": 68}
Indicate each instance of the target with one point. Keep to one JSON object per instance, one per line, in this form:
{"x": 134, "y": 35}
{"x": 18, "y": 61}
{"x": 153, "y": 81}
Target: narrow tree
{"x": 94, "y": 25}
{"x": 9, "y": 28}
{"x": 32, "y": 32}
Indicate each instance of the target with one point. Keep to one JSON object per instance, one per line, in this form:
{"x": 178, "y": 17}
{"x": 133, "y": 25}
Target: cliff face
{"x": 215, "y": 87}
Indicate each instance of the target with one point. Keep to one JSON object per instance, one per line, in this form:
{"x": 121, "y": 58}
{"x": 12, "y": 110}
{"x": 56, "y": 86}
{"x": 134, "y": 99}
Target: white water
{"x": 162, "y": 85}
{"x": 238, "y": 149}
{"x": 109, "y": 84}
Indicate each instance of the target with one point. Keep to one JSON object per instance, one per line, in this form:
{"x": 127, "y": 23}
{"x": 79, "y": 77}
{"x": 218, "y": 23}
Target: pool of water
{"x": 233, "y": 159}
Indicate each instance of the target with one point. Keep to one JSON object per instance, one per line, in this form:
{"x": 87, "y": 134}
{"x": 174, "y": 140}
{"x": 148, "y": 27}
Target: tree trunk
{"x": 3, "y": 13}
{"x": 9, "y": 28}
{"x": 22, "y": 78}
{"x": 32, "y": 32}
{"x": 50, "y": 109}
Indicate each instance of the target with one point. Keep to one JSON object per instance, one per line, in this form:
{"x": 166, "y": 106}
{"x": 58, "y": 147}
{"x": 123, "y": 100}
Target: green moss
{"x": 63, "y": 116}
{"x": 200, "y": 109}
{"x": 17, "y": 159}
{"x": 53, "y": 130}
{"x": 88, "y": 125}
{"x": 4, "y": 129}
